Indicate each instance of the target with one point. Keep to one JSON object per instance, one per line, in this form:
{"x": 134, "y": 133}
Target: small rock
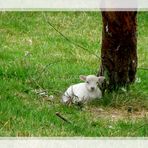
{"x": 123, "y": 89}
{"x": 100, "y": 110}
{"x": 111, "y": 127}
{"x": 42, "y": 94}
{"x": 27, "y": 53}
{"x": 51, "y": 97}
{"x": 30, "y": 41}
{"x": 113, "y": 116}
{"x": 138, "y": 80}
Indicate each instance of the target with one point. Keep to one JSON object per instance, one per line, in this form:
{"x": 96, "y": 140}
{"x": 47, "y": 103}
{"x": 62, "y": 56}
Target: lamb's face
{"x": 92, "y": 81}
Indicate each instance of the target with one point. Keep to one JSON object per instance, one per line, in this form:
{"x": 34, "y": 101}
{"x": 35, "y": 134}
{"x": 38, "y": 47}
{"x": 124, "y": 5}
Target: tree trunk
{"x": 119, "y": 48}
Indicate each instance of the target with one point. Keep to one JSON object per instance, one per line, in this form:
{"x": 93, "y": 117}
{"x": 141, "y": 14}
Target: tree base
{"x": 119, "y": 48}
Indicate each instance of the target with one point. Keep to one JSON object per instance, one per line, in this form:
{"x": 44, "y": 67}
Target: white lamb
{"x": 84, "y": 92}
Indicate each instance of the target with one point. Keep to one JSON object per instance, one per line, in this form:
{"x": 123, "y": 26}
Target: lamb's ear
{"x": 82, "y": 77}
{"x": 101, "y": 79}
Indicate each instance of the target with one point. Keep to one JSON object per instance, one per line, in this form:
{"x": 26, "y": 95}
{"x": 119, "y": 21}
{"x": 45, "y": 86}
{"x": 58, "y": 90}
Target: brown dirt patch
{"x": 118, "y": 114}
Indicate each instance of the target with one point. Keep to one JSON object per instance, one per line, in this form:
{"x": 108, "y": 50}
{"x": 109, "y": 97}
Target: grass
{"x": 35, "y": 61}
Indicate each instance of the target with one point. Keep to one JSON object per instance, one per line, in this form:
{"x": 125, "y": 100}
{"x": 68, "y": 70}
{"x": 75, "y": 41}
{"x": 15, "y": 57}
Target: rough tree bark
{"x": 119, "y": 48}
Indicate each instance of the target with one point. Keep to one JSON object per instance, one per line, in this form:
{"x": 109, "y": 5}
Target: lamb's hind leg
{"x": 66, "y": 99}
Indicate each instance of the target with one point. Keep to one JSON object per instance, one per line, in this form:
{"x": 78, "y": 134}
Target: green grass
{"x": 34, "y": 56}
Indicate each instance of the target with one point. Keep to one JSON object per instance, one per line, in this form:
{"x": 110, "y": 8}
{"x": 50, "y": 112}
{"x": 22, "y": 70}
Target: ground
{"x": 37, "y": 64}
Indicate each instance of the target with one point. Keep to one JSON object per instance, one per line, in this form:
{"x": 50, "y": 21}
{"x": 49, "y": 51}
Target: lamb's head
{"x": 92, "y": 81}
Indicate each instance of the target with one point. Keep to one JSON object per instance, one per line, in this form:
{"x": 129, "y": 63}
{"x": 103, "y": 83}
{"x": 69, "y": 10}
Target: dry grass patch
{"x": 114, "y": 114}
